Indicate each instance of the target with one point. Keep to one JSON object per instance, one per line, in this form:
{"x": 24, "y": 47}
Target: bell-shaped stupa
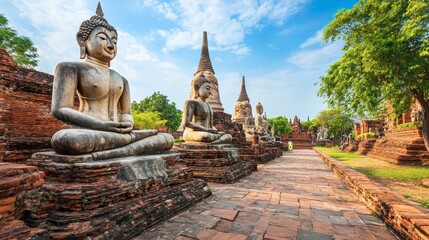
{"x": 206, "y": 67}
{"x": 242, "y": 109}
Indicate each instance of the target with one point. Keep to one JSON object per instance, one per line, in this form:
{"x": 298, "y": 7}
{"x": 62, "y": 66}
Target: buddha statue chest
{"x": 202, "y": 112}
{"x": 96, "y": 83}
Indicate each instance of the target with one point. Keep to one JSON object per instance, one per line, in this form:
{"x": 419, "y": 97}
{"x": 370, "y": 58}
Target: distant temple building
{"x": 296, "y": 125}
{"x": 302, "y": 138}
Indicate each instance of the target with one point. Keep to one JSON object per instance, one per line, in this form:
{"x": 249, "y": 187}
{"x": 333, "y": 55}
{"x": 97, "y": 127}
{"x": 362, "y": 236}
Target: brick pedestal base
{"x": 215, "y": 163}
{"x": 111, "y": 199}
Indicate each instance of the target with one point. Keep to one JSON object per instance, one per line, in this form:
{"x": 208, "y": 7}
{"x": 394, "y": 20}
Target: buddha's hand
{"x": 118, "y": 127}
{"x": 211, "y": 130}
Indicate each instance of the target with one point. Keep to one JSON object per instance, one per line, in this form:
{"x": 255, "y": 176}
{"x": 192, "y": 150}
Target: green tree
{"x": 148, "y": 120}
{"x": 20, "y": 48}
{"x": 281, "y": 125}
{"x": 337, "y": 121}
{"x": 158, "y": 102}
{"x": 385, "y": 60}
{"x": 310, "y": 125}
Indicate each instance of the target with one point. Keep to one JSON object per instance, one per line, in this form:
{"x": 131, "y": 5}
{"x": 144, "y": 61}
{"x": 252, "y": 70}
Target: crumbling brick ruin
{"x": 26, "y": 125}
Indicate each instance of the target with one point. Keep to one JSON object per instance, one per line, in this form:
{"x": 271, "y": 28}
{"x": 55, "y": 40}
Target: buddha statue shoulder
{"x": 197, "y": 116}
{"x": 103, "y": 124}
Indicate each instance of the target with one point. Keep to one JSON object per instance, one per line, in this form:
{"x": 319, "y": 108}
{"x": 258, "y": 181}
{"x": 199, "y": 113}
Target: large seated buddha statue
{"x": 103, "y": 125}
{"x": 198, "y": 116}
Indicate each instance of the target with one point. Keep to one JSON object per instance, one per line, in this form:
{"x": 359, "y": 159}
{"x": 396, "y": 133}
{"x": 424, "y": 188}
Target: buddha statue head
{"x": 97, "y": 38}
{"x": 200, "y": 87}
{"x": 259, "y": 108}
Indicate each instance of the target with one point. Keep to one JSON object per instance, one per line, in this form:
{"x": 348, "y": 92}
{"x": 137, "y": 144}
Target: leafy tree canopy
{"x": 281, "y": 125}
{"x": 310, "y": 125}
{"x": 20, "y": 48}
{"x": 385, "y": 60}
{"x": 336, "y": 121}
{"x": 386, "y": 50}
{"x": 148, "y": 120}
{"x": 160, "y": 103}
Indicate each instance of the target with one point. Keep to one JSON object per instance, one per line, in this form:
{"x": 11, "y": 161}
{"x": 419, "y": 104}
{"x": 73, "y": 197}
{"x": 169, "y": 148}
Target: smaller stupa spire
{"x": 205, "y": 63}
{"x": 243, "y": 93}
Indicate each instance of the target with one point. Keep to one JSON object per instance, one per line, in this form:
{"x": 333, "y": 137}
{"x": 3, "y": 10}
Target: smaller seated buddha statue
{"x": 198, "y": 116}
{"x": 261, "y": 124}
{"x": 103, "y": 125}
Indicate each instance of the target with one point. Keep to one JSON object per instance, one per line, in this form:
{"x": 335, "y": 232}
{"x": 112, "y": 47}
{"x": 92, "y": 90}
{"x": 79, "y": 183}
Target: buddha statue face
{"x": 204, "y": 91}
{"x": 200, "y": 88}
{"x": 101, "y": 44}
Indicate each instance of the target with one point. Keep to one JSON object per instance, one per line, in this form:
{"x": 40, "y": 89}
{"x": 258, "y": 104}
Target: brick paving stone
{"x": 274, "y": 232}
{"x": 223, "y": 225}
{"x": 295, "y": 196}
{"x": 207, "y": 234}
{"x": 225, "y": 213}
{"x": 309, "y": 235}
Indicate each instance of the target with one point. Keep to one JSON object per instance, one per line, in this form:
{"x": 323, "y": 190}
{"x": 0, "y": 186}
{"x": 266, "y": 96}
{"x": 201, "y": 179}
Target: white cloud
{"x": 57, "y": 22}
{"x": 318, "y": 58}
{"x": 227, "y": 22}
{"x": 313, "y": 40}
{"x": 163, "y": 8}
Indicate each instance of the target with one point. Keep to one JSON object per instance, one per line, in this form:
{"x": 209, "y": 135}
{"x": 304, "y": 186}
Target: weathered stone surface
{"x": 273, "y": 148}
{"x": 127, "y": 168}
{"x": 112, "y": 198}
{"x": 214, "y": 163}
{"x": 16, "y": 180}
{"x": 408, "y": 219}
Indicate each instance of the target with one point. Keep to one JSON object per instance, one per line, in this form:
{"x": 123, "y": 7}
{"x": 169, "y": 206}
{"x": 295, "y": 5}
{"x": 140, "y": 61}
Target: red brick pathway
{"x": 292, "y": 197}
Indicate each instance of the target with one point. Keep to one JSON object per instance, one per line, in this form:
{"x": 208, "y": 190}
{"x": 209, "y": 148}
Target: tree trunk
{"x": 421, "y": 98}
{"x": 425, "y": 129}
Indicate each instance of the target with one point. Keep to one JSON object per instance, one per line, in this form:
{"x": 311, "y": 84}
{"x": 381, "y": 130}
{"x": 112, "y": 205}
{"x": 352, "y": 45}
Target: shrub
{"x": 410, "y": 125}
{"x": 366, "y": 135}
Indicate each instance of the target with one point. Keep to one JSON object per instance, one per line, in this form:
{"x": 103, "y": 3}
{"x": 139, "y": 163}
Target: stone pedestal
{"x": 215, "y": 163}
{"x": 255, "y": 154}
{"x": 249, "y": 152}
{"x": 275, "y": 149}
{"x": 113, "y": 198}
{"x": 17, "y": 184}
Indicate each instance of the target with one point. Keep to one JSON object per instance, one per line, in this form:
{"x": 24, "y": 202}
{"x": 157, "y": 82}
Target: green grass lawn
{"x": 382, "y": 171}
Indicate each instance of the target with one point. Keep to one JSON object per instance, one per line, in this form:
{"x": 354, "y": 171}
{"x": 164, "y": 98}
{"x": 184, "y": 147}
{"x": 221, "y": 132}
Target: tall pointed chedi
{"x": 242, "y": 109}
{"x": 206, "y": 67}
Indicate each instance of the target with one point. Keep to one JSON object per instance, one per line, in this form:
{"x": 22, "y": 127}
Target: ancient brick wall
{"x": 408, "y": 219}
{"x": 26, "y": 124}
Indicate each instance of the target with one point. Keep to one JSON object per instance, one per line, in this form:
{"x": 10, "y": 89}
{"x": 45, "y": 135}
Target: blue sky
{"x": 276, "y": 45}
